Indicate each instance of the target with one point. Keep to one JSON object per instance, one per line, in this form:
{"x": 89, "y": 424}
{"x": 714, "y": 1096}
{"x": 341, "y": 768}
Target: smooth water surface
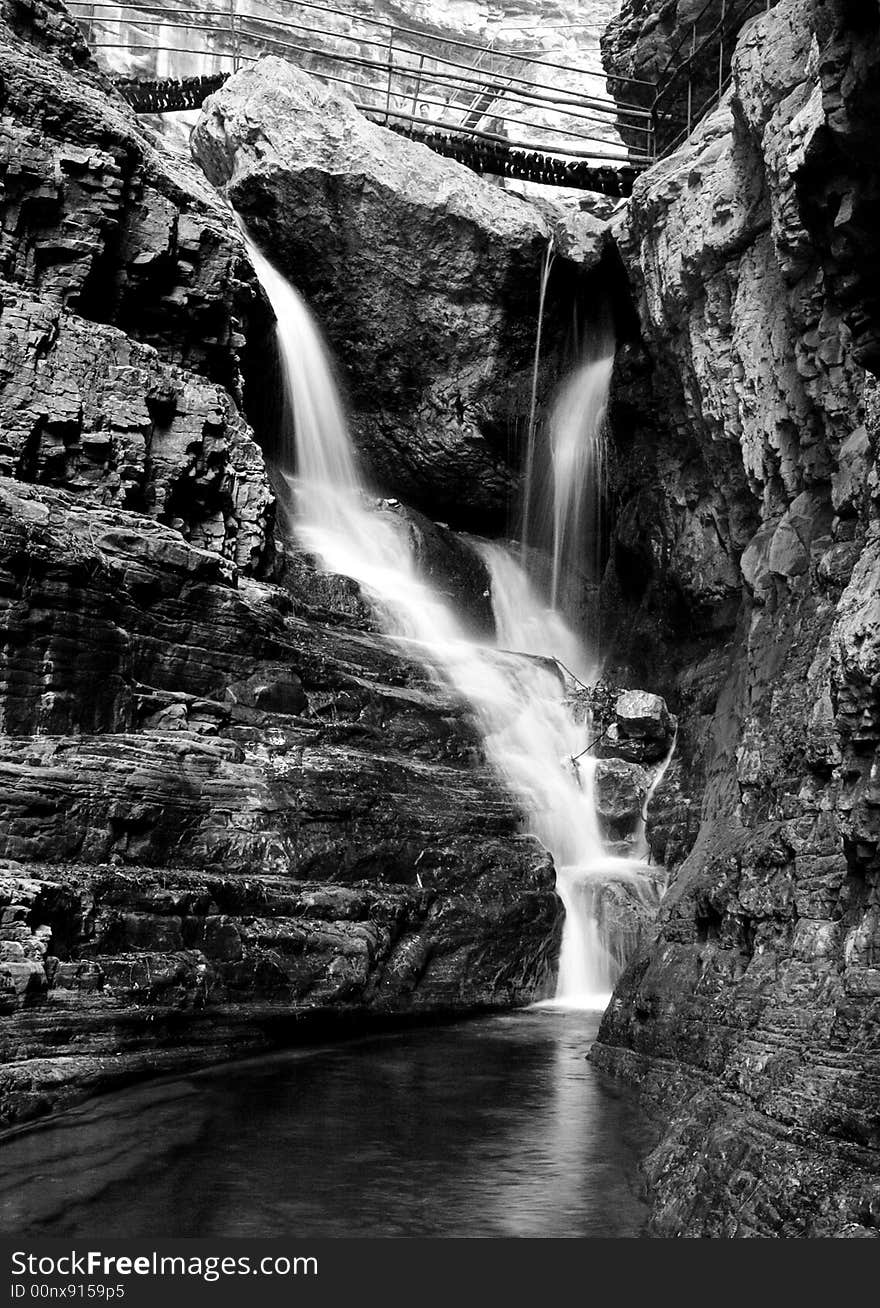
{"x": 495, "y": 1127}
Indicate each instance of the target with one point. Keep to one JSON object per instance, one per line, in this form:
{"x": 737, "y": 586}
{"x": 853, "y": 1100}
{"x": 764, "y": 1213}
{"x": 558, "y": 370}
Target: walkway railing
{"x": 396, "y": 74}
{"x": 697, "y": 72}
{"x": 500, "y": 111}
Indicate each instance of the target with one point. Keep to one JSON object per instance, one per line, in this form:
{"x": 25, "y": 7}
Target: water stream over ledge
{"x": 494, "y": 1127}
{"x": 530, "y": 737}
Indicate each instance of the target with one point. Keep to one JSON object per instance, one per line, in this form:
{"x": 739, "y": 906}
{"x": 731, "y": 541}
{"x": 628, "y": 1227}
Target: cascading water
{"x": 590, "y": 960}
{"x": 531, "y": 463}
{"x": 530, "y": 736}
{"x": 577, "y": 436}
{"x": 565, "y": 477}
{"x": 523, "y": 622}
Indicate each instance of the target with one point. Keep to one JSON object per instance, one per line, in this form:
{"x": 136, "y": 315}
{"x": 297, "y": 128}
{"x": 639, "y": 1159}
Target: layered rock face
{"x": 228, "y": 808}
{"x": 426, "y": 278}
{"x": 84, "y": 406}
{"x": 100, "y": 221}
{"x": 219, "y": 817}
{"x": 124, "y": 293}
{"x": 748, "y": 520}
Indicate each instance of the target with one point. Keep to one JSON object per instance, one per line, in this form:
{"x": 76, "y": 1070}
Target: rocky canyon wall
{"x": 227, "y": 808}
{"x": 745, "y": 561}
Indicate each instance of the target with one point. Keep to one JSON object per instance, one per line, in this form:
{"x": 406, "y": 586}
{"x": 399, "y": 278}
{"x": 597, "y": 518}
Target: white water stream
{"x": 577, "y": 436}
{"x": 530, "y": 736}
{"x": 565, "y": 478}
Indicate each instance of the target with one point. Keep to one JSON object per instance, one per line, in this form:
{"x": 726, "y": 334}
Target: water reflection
{"x": 494, "y": 1128}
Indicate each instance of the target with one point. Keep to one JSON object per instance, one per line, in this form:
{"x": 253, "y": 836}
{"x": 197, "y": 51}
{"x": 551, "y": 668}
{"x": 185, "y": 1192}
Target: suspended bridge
{"x": 504, "y": 112}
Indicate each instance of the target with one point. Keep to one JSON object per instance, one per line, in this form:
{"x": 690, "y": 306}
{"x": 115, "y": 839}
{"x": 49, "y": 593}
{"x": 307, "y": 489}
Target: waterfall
{"x": 529, "y": 478}
{"x": 588, "y": 962}
{"x": 531, "y": 737}
{"x": 577, "y": 442}
{"x": 565, "y": 479}
{"x": 524, "y": 623}
{"x": 641, "y": 848}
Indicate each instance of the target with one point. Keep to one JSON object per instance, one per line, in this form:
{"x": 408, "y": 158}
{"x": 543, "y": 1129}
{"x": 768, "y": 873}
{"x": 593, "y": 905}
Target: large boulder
{"x": 621, "y": 790}
{"x": 642, "y": 731}
{"x": 425, "y": 277}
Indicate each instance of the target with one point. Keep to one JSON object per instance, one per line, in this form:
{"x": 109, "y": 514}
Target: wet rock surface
{"x": 425, "y": 278}
{"x": 639, "y": 831}
{"x": 621, "y": 794}
{"x": 745, "y": 563}
{"x": 625, "y": 911}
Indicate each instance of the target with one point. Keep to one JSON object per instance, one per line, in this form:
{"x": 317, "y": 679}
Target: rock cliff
{"x": 99, "y": 219}
{"x": 229, "y": 809}
{"x": 745, "y": 560}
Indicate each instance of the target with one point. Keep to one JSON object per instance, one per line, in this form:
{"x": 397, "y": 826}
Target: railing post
{"x": 390, "y": 66}
{"x": 233, "y": 29}
{"x": 418, "y": 84}
{"x": 691, "y": 78}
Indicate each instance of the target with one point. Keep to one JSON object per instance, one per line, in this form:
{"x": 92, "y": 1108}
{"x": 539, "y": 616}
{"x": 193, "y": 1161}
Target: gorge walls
{"x": 745, "y": 561}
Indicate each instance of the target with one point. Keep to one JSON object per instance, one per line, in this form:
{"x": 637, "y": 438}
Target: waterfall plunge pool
{"x": 496, "y": 1126}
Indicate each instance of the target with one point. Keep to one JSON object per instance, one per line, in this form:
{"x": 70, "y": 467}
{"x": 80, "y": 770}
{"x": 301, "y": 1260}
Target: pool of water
{"x": 495, "y": 1127}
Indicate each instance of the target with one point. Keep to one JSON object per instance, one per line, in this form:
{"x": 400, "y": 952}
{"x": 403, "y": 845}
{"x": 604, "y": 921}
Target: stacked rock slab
{"x": 227, "y": 810}
{"x": 752, "y": 1021}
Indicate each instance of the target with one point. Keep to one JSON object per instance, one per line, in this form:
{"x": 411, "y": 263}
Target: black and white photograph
{"x": 439, "y": 633}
